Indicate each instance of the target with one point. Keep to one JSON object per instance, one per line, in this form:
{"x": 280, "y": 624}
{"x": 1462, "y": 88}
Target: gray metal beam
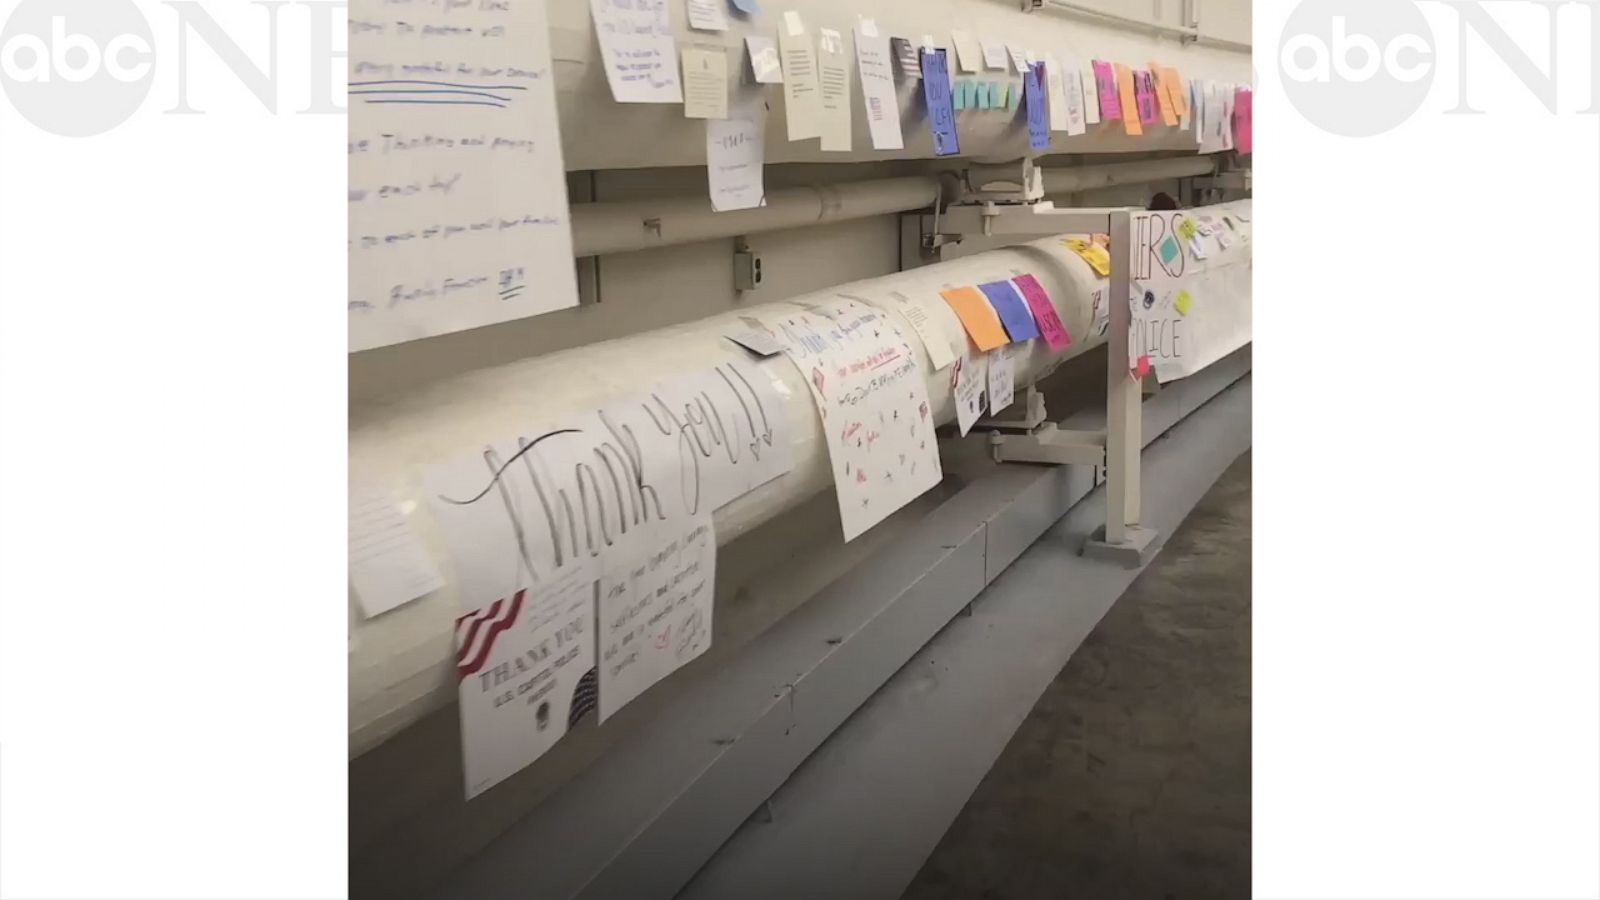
{"x": 862, "y": 814}
{"x": 644, "y": 818}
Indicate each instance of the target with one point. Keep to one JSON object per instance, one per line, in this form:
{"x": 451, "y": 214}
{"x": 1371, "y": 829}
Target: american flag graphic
{"x": 476, "y": 633}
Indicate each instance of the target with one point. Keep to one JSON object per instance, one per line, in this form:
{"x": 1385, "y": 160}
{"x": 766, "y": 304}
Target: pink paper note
{"x": 1044, "y": 313}
{"x": 1242, "y": 114}
{"x": 1105, "y": 81}
{"x": 1144, "y": 92}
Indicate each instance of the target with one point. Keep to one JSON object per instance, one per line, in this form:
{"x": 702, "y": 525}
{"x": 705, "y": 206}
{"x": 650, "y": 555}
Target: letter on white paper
{"x": 457, "y": 196}
{"x": 802, "y": 103}
{"x": 519, "y": 661}
{"x": 1002, "y": 379}
{"x": 934, "y": 322}
{"x": 708, "y": 15}
{"x": 873, "y": 403}
{"x": 389, "y": 567}
{"x": 655, "y": 607}
{"x": 735, "y": 151}
{"x": 764, "y": 64}
{"x": 637, "y": 49}
{"x": 877, "y": 87}
{"x": 968, "y": 381}
{"x": 833, "y": 65}
{"x": 705, "y": 83}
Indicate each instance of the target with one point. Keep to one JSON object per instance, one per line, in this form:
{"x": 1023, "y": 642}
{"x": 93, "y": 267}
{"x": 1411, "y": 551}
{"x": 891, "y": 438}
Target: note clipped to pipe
{"x": 1012, "y": 309}
{"x": 1044, "y": 312}
{"x": 977, "y": 316}
{"x": 1105, "y": 82}
{"x": 1130, "y": 106}
{"x": 941, "y": 108}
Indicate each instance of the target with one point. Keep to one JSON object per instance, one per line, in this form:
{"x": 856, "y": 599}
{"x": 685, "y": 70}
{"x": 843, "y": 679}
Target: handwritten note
{"x": 1013, "y": 311}
{"x": 708, "y": 15}
{"x": 1056, "y": 91}
{"x": 941, "y": 110}
{"x": 1145, "y": 96}
{"x": 1095, "y": 255}
{"x": 877, "y": 87}
{"x": 873, "y": 402}
{"x": 735, "y": 155}
{"x": 457, "y": 200}
{"x": 1243, "y": 126}
{"x": 833, "y": 66}
{"x": 1002, "y": 379}
{"x": 936, "y": 326}
{"x": 1044, "y": 312}
{"x": 977, "y": 316}
{"x": 516, "y": 511}
{"x": 705, "y": 83}
{"x": 802, "y": 102}
{"x": 656, "y": 593}
{"x": 969, "y": 55}
{"x": 1105, "y": 81}
{"x": 389, "y": 567}
{"x": 994, "y": 54}
{"x": 1157, "y": 78}
{"x": 765, "y": 67}
{"x": 1076, "y": 122}
{"x": 519, "y": 662}
{"x": 637, "y": 49}
{"x": 969, "y": 378}
{"x": 1033, "y": 97}
{"x": 1091, "y": 96}
{"x": 1158, "y": 330}
{"x": 1128, "y": 101}
{"x": 1019, "y": 58}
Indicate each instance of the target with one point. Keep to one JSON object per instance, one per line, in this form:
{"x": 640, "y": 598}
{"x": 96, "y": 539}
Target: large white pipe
{"x": 623, "y": 227}
{"x": 401, "y": 662}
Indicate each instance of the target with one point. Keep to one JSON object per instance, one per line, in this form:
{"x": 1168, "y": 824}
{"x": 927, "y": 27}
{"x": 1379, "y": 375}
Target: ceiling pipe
{"x": 627, "y": 226}
{"x": 1184, "y": 33}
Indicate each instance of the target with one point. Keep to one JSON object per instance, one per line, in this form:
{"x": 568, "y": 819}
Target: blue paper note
{"x": 985, "y": 95}
{"x": 959, "y": 98}
{"x": 1015, "y": 98}
{"x": 936, "y": 94}
{"x": 1169, "y": 249}
{"x": 1012, "y": 308}
{"x": 1038, "y": 128}
{"x": 748, "y": 7}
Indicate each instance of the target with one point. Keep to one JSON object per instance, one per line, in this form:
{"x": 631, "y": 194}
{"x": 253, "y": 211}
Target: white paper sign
{"x": 833, "y": 66}
{"x": 994, "y": 54}
{"x": 1076, "y": 123}
{"x": 764, "y": 64}
{"x": 877, "y": 88}
{"x": 388, "y": 565}
{"x": 655, "y": 607}
{"x": 457, "y": 196}
{"x": 969, "y": 56}
{"x": 708, "y": 15}
{"x": 1091, "y": 105}
{"x": 1019, "y": 58}
{"x": 735, "y": 155}
{"x": 869, "y": 391}
{"x": 1002, "y": 379}
{"x": 968, "y": 381}
{"x": 802, "y": 103}
{"x": 515, "y": 511}
{"x": 637, "y": 49}
{"x": 1159, "y": 270}
{"x": 705, "y": 83}
{"x": 519, "y": 661}
{"x": 1055, "y": 90}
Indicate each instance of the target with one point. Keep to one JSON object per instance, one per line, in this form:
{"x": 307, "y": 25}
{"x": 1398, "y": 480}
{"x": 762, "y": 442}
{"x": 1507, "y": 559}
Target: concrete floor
{"x": 1131, "y": 776}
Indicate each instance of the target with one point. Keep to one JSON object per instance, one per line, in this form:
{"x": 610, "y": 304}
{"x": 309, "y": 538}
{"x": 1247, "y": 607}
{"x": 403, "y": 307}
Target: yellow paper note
{"x": 1164, "y": 102}
{"x": 1095, "y": 255}
{"x": 1186, "y": 228}
{"x": 977, "y": 316}
{"x": 1181, "y": 303}
{"x": 1130, "y": 106}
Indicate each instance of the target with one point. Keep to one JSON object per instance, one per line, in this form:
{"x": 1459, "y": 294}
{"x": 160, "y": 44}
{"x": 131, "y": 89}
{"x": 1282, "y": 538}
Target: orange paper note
{"x": 1180, "y": 91}
{"x": 977, "y": 316}
{"x": 1130, "y": 124}
{"x": 1164, "y": 102}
